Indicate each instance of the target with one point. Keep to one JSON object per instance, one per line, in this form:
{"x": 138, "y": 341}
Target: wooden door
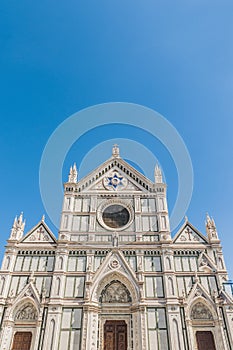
{"x": 22, "y": 341}
{"x": 115, "y": 335}
{"x": 205, "y": 340}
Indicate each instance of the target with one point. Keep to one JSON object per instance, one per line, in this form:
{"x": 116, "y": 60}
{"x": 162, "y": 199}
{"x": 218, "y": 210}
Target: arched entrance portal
{"x": 22, "y": 341}
{"x": 25, "y": 318}
{"x": 115, "y": 335}
{"x": 115, "y": 316}
{"x": 204, "y": 326}
{"x": 205, "y": 340}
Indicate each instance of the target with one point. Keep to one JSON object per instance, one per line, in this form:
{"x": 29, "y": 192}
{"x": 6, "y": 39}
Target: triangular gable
{"x": 205, "y": 263}
{"x": 39, "y": 234}
{"x": 115, "y": 180}
{"x": 29, "y": 291}
{"x": 197, "y": 291}
{"x": 189, "y": 234}
{"x": 114, "y": 261}
{"x": 130, "y": 173}
{"x": 225, "y": 297}
{"x": 114, "y": 268}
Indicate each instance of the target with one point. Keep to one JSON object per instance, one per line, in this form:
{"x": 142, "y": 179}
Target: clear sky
{"x": 58, "y": 57}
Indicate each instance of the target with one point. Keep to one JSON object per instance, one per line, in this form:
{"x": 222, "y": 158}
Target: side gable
{"x": 206, "y": 264}
{"x": 198, "y": 291}
{"x": 189, "y": 234}
{"x": 225, "y": 297}
{"x": 39, "y": 234}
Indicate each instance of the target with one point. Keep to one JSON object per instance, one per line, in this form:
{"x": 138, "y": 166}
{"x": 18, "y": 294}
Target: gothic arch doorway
{"x": 25, "y": 317}
{"x": 203, "y": 324}
{"x": 22, "y": 341}
{"x": 115, "y": 316}
{"x": 205, "y": 340}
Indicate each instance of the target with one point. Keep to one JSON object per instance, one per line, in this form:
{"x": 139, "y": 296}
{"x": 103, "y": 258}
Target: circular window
{"x": 116, "y": 216}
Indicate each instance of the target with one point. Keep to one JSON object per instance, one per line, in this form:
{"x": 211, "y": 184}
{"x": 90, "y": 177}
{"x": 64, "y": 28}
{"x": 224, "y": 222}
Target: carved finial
{"x": 196, "y": 279}
{"x": 18, "y": 227}
{"x": 43, "y": 295}
{"x": 214, "y": 294}
{"x": 208, "y": 220}
{"x": 75, "y": 168}
{"x": 158, "y": 174}
{"x": 32, "y": 277}
{"x": 20, "y": 220}
{"x": 43, "y": 218}
{"x": 73, "y": 175}
{"x": 186, "y": 218}
{"x": 116, "y": 151}
{"x": 211, "y": 228}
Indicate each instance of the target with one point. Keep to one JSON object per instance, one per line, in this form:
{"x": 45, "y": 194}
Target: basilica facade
{"x": 114, "y": 278}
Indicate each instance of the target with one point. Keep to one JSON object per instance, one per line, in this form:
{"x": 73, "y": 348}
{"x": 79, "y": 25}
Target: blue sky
{"x": 172, "y": 56}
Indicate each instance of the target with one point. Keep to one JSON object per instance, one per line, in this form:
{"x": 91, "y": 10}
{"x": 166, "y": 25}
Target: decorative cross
{"x": 115, "y": 150}
{"x": 188, "y": 231}
{"x": 40, "y": 231}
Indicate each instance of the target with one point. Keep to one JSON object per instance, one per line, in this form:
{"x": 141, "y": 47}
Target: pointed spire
{"x": 18, "y": 227}
{"x": 116, "y": 151}
{"x": 75, "y": 168}
{"x": 73, "y": 175}
{"x": 213, "y": 222}
{"x": 20, "y": 220}
{"x": 208, "y": 220}
{"x": 211, "y": 228}
{"x": 158, "y": 174}
{"x": 15, "y": 222}
{"x": 43, "y": 218}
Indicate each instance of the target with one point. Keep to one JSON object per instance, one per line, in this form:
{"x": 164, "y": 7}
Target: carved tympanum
{"x": 26, "y": 313}
{"x": 115, "y": 292}
{"x": 201, "y": 312}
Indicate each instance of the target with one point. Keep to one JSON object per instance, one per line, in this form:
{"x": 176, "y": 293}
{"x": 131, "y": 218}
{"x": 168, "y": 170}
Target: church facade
{"x": 114, "y": 279}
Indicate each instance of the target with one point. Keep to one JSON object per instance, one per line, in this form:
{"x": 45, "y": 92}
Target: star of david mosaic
{"x": 115, "y": 182}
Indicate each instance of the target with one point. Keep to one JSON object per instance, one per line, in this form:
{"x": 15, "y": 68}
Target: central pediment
{"x": 115, "y": 175}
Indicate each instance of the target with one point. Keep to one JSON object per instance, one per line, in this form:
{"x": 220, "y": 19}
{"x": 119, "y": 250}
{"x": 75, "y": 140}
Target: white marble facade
{"x": 114, "y": 261}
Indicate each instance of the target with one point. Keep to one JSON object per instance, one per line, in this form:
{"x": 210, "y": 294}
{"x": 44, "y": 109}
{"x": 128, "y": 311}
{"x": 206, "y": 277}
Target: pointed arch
{"x": 171, "y": 286}
{"x": 51, "y": 334}
{"x": 176, "y": 338}
{"x": 28, "y": 296}
{"x": 115, "y": 292}
{"x": 3, "y": 280}
{"x": 26, "y": 311}
{"x": 99, "y": 286}
{"x": 7, "y": 263}
{"x": 58, "y": 285}
{"x": 200, "y": 312}
{"x": 168, "y": 263}
{"x": 60, "y": 263}
{"x": 221, "y": 263}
